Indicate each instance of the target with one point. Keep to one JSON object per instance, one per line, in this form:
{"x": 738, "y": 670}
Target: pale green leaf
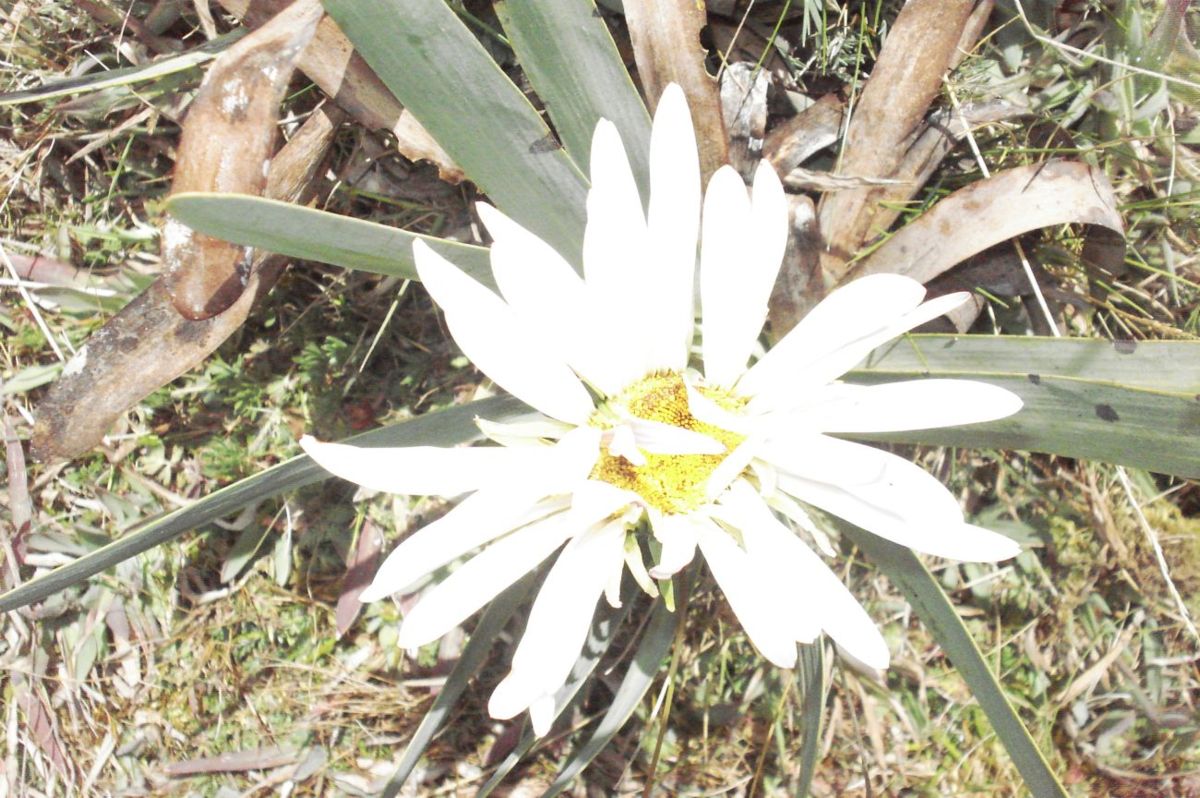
{"x": 570, "y": 58}
{"x": 909, "y": 574}
{"x": 310, "y": 234}
{"x": 1135, "y": 404}
{"x": 441, "y": 73}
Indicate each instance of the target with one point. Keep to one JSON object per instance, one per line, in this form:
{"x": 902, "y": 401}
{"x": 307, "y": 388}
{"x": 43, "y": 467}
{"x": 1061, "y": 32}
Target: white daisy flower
{"x": 724, "y": 460}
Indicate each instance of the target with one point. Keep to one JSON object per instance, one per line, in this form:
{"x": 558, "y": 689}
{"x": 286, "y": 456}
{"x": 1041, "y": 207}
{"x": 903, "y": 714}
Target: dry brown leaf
{"x": 794, "y": 141}
{"x": 994, "y": 210}
{"x": 234, "y": 761}
{"x": 39, "y": 725}
{"x": 941, "y": 133}
{"x": 148, "y": 344}
{"x": 225, "y": 146}
{"x": 916, "y": 55}
{"x": 744, "y": 109}
{"x": 360, "y": 570}
{"x": 799, "y": 287}
{"x": 331, "y": 62}
{"x": 666, "y": 46}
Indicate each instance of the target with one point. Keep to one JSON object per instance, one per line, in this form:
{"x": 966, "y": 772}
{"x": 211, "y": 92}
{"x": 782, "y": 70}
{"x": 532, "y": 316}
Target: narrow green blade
{"x": 444, "y": 428}
{"x": 811, "y": 678}
{"x": 1133, "y": 404}
{"x": 310, "y": 234}
{"x": 604, "y": 627}
{"x": 571, "y": 60}
{"x": 474, "y": 655}
{"x": 935, "y": 610}
{"x": 655, "y": 644}
{"x": 433, "y": 64}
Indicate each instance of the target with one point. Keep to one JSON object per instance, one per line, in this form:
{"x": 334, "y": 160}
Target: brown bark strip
{"x": 225, "y": 146}
{"x": 148, "y": 344}
{"x": 666, "y": 47}
{"x": 331, "y": 62}
{"x": 923, "y": 42}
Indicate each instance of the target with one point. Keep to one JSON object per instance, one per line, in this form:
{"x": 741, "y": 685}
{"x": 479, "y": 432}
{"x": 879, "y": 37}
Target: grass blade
{"x": 474, "y": 655}
{"x": 811, "y": 678}
{"x": 604, "y": 626}
{"x": 571, "y": 60}
{"x": 310, "y": 234}
{"x": 922, "y": 591}
{"x": 436, "y": 67}
{"x": 444, "y": 428}
{"x": 655, "y": 644}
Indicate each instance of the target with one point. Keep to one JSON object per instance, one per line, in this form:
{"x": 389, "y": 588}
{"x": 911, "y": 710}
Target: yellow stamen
{"x": 672, "y": 483}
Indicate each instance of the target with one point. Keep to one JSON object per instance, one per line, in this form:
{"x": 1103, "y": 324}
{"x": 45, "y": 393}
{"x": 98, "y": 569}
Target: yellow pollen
{"x": 673, "y": 483}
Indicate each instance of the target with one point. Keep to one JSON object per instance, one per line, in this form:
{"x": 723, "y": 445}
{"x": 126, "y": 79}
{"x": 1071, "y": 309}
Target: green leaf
{"x": 935, "y": 610}
{"x": 605, "y": 624}
{"x": 655, "y": 644}
{"x": 1136, "y": 404}
{"x": 810, "y": 676}
{"x": 571, "y": 60}
{"x": 433, "y": 64}
{"x": 474, "y": 655}
{"x": 310, "y": 234}
{"x": 444, "y": 428}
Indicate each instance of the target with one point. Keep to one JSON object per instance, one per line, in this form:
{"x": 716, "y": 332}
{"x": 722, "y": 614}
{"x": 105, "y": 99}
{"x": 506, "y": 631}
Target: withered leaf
{"x": 148, "y": 344}
{"x": 225, "y": 146}
{"x": 917, "y": 53}
{"x": 331, "y": 62}
{"x": 1002, "y": 207}
{"x": 666, "y": 47}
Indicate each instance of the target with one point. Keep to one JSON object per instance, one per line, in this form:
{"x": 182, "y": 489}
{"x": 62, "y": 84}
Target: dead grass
{"x": 128, "y": 684}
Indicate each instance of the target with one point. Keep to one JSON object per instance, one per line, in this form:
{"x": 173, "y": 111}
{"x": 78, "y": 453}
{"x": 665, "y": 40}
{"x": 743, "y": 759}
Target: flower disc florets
{"x": 672, "y": 483}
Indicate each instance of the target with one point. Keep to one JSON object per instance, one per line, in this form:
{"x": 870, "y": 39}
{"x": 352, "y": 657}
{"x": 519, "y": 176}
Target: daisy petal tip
{"x": 373, "y": 592}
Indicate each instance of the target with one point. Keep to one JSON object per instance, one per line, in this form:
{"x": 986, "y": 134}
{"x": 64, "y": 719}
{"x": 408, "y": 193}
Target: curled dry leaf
{"x": 994, "y": 210}
{"x": 794, "y": 141}
{"x": 744, "y": 109}
{"x": 148, "y": 344}
{"x": 360, "y": 570}
{"x": 331, "y": 62}
{"x": 666, "y": 47}
{"x": 225, "y": 146}
{"x": 799, "y": 287}
{"x": 919, "y": 49}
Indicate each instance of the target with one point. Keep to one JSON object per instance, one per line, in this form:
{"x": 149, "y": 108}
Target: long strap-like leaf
{"x": 909, "y": 574}
{"x": 444, "y": 428}
{"x": 437, "y": 68}
{"x": 571, "y": 60}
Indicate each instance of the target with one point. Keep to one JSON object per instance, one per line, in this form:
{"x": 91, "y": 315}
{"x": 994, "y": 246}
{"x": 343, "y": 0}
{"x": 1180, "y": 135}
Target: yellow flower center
{"x": 673, "y": 483}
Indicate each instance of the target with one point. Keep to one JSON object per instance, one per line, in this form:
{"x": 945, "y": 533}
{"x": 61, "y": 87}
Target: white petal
{"x": 495, "y": 339}
{"x": 741, "y": 579}
{"x": 909, "y": 405}
{"x": 677, "y": 535}
{"x": 838, "y": 334}
{"x": 659, "y": 438}
{"x": 822, "y": 596}
{"x": 616, "y": 261}
{"x": 903, "y": 504}
{"x": 421, "y": 470}
{"x": 481, "y": 579}
{"x": 674, "y": 223}
{"x": 513, "y": 501}
{"x": 478, "y": 519}
{"x": 741, "y": 250}
{"x": 543, "y": 289}
{"x": 724, "y": 286}
{"x": 559, "y": 620}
